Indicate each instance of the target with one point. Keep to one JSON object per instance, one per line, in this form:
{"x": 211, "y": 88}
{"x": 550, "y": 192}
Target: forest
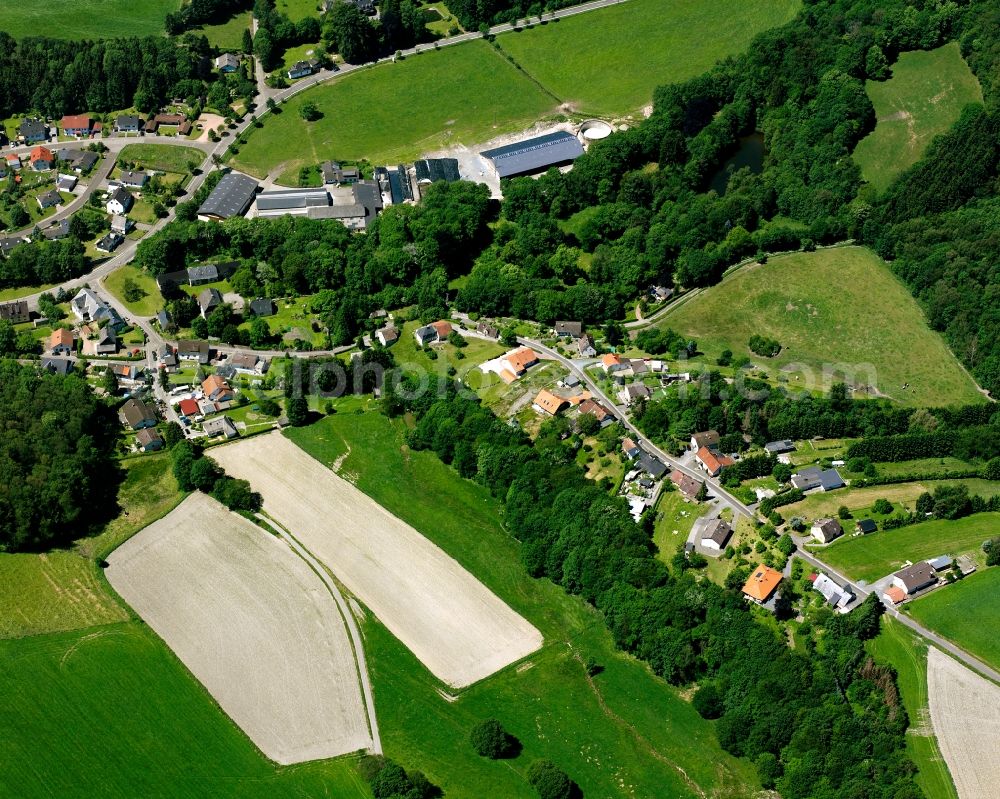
{"x": 57, "y": 464}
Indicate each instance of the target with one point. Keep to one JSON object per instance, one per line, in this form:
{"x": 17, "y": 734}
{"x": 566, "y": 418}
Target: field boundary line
{"x": 352, "y": 627}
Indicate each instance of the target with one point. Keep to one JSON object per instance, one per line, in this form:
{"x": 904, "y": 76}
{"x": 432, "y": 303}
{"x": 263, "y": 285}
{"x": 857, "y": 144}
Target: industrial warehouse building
{"x": 231, "y": 197}
{"x": 532, "y": 156}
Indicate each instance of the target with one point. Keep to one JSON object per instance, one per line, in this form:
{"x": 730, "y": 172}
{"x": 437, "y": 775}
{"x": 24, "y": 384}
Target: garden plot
{"x": 458, "y": 628}
{"x": 965, "y": 713}
{"x": 253, "y": 623}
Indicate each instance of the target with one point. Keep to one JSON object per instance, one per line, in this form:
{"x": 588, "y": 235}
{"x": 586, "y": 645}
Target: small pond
{"x": 749, "y": 152}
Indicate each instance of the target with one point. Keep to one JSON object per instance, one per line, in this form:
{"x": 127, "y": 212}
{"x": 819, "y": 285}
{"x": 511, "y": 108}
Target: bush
{"x": 708, "y": 701}
{"x": 883, "y": 507}
{"x": 550, "y": 781}
{"x": 844, "y": 512}
{"x": 491, "y": 740}
{"x": 992, "y": 549}
{"x": 765, "y": 347}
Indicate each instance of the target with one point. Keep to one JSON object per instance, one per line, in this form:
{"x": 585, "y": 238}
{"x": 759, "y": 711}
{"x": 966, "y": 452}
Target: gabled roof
{"x": 134, "y": 412}
{"x": 686, "y": 484}
{"x": 549, "y": 402}
{"x": 188, "y": 407}
{"x": 40, "y": 153}
{"x": 708, "y": 438}
{"x": 610, "y": 359}
{"x": 262, "y": 306}
{"x": 535, "y": 154}
{"x": 61, "y": 337}
{"x": 442, "y": 328}
{"x": 778, "y": 447}
{"x": 761, "y": 583}
{"x": 147, "y": 436}
{"x": 651, "y": 465}
{"x": 829, "y": 527}
{"x": 214, "y": 383}
{"x": 717, "y": 531}
{"x": 231, "y": 197}
{"x": 867, "y": 525}
{"x": 75, "y": 122}
{"x": 521, "y": 359}
{"x": 594, "y": 407}
{"x": 209, "y": 298}
{"x": 569, "y": 328}
{"x": 916, "y": 576}
{"x": 713, "y": 462}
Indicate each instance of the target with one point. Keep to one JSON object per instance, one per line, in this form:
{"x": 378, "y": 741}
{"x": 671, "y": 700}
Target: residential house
{"x": 894, "y": 594}
{"x": 813, "y": 478}
{"x": 119, "y": 202}
{"x": 62, "y": 342}
{"x": 49, "y": 199}
{"x": 201, "y": 274}
{"x": 633, "y": 392}
{"x": 487, "y": 330}
{"x": 301, "y": 69}
{"x": 220, "y": 426}
{"x": 708, "y": 438}
{"x": 826, "y": 530}
{"x": 518, "y": 362}
{"x": 76, "y": 125}
{"x": 134, "y": 180}
{"x": 188, "y": 407}
{"x": 838, "y": 596}
{"x": 13, "y": 161}
{"x": 779, "y": 447}
{"x": 217, "y": 390}
{"x": 572, "y": 381}
{"x": 866, "y": 526}
{"x": 129, "y": 373}
{"x": 110, "y": 242}
{"x": 88, "y": 307}
{"x": 194, "y": 351}
{"x": 58, "y": 366}
{"x": 84, "y": 162}
{"x": 209, "y": 300}
{"x": 548, "y": 403}
{"x": 569, "y": 329}
{"x": 121, "y": 224}
{"x": 8, "y": 244}
{"x": 66, "y": 183}
{"x": 33, "y": 130}
{"x": 57, "y": 230}
{"x": 915, "y": 577}
{"x": 15, "y": 312}
{"x": 387, "y": 336}
{"x": 137, "y": 414}
{"x": 169, "y": 361}
{"x": 585, "y": 346}
{"x": 127, "y": 123}
{"x": 262, "y": 306}
{"x": 631, "y": 449}
{"x": 104, "y": 342}
{"x": 604, "y": 416}
{"x": 433, "y": 333}
{"x": 637, "y": 367}
{"x": 661, "y": 293}
{"x": 651, "y": 465}
{"x": 761, "y": 584}
{"x": 248, "y": 363}
{"x": 711, "y": 461}
{"x": 227, "y": 63}
{"x": 149, "y": 440}
{"x": 612, "y": 363}
{"x": 716, "y": 534}
{"x": 41, "y": 159}
{"x": 686, "y": 484}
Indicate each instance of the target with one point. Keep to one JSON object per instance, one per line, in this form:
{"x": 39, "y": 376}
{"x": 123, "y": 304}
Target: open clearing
{"x": 465, "y": 94}
{"x": 253, "y": 623}
{"x": 818, "y": 306}
{"x": 873, "y": 556}
{"x": 456, "y": 627}
{"x": 965, "y": 711}
{"x": 906, "y": 652}
{"x": 968, "y": 612}
{"x": 609, "y": 61}
{"x": 163, "y": 157}
{"x": 922, "y": 99}
{"x": 85, "y": 19}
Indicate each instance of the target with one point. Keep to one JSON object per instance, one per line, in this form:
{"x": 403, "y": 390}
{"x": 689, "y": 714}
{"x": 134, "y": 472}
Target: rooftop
{"x": 231, "y": 197}
{"x": 536, "y": 154}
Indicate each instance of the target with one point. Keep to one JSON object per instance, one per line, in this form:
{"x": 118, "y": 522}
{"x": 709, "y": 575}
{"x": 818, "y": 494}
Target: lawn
{"x": 875, "y": 555}
{"x": 147, "y": 305}
{"x": 674, "y": 519}
{"x": 62, "y": 589}
{"x": 966, "y": 612}
{"x": 392, "y": 112}
{"x": 23, "y": 291}
{"x": 907, "y": 653}
{"x": 227, "y": 35}
{"x": 623, "y": 733}
{"x": 163, "y": 157}
{"x": 121, "y": 717}
{"x": 922, "y": 99}
{"x": 301, "y": 52}
{"x": 610, "y": 61}
{"x": 297, "y": 9}
{"x": 86, "y": 19}
{"x": 293, "y": 314}
{"x": 819, "y": 307}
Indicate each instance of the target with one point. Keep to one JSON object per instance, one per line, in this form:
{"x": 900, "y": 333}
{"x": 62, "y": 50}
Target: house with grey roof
{"x": 716, "y": 534}
{"x": 779, "y": 447}
{"x": 120, "y": 202}
{"x": 826, "y": 530}
{"x": 127, "y": 123}
{"x": 813, "y": 478}
{"x": 58, "y": 366}
{"x": 231, "y": 197}
{"x": 220, "y": 426}
{"x": 836, "y": 595}
{"x": 194, "y": 351}
{"x": 15, "y": 312}
{"x": 135, "y": 180}
{"x": 110, "y": 242}
{"x": 209, "y": 300}
{"x": 651, "y": 465}
{"x": 262, "y": 306}
{"x": 49, "y": 199}
{"x": 137, "y": 414}
{"x": 227, "y": 62}
{"x": 33, "y": 130}
{"x": 148, "y": 440}
{"x": 534, "y": 155}
{"x": 915, "y": 577}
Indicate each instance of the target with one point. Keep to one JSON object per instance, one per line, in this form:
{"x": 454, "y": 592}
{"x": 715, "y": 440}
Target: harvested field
{"x": 253, "y": 623}
{"x": 965, "y": 712}
{"x": 456, "y": 627}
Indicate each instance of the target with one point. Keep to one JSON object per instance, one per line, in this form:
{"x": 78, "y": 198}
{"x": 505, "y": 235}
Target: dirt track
{"x": 965, "y": 713}
{"x": 253, "y": 623}
{"x": 457, "y": 628}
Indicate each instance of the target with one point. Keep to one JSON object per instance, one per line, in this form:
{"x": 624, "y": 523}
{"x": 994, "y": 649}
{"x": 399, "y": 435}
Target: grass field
{"x": 392, "y": 112}
{"x": 163, "y": 157}
{"x": 966, "y": 612}
{"x": 610, "y": 61}
{"x": 907, "y": 653}
{"x": 819, "y": 307}
{"x": 674, "y": 514}
{"x": 227, "y": 35}
{"x": 148, "y": 305}
{"x": 86, "y": 19}
{"x": 875, "y": 555}
{"x": 62, "y": 590}
{"x": 921, "y": 100}
{"x": 121, "y": 717}
{"x": 623, "y": 733}
{"x": 298, "y": 9}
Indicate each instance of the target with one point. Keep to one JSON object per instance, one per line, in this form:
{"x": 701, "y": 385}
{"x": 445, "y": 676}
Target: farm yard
{"x": 921, "y": 100}
{"x": 621, "y": 733}
{"x": 967, "y": 612}
{"x": 577, "y": 58}
{"x": 965, "y": 712}
{"x": 820, "y": 306}
{"x": 254, "y": 625}
{"x": 86, "y": 19}
{"x": 460, "y": 630}
{"x": 875, "y": 555}
{"x": 465, "y": 94}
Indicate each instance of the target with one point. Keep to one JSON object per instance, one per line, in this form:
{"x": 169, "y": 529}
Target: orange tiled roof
{"x": 442, "y": 328}
{"x": 549, "y": 402}
{"x": 74, "y": 122}
{"x": 896, "y": 594}
{"x": 761, "y": 583}
{"x": 61, "y": 337}
{"x": 712, "y": 461}
{"x": 41, "y": 153}
{"x": 611, "y": 360}
{"x": 521, "y": 359}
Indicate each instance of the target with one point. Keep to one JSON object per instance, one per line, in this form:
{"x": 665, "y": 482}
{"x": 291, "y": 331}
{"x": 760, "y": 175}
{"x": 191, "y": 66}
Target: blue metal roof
{"x": 534, "y": 155}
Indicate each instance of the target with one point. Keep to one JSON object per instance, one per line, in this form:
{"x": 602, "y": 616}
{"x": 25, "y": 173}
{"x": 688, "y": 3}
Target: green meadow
{"x": 85, "y": 19}
{"x": 163, "y": 157}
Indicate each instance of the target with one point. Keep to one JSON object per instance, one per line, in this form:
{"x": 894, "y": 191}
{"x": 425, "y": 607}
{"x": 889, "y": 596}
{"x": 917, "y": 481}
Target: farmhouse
{"x": 534, "y": 155}
{"x": 216, "y": 389}
{"x": 76, "y": 125}
{"x": 709, "y": 438}
{"x": 15, "y": 312}
{"x": 866, "y": 526}
{"x": 711, "y": 462}
{"x": 838, "y": 597}
{"x": 231, "y": 197}
{"x": 136, "y": 414}
{"x": 569, "y": 329}
{"x": 387, "y": 336}
{"x": 41, "y": 159}
{"x": 814, "y": 478}
{"x": 335, "y": 173}
{"x": 120, "y": 202}
{"x": 548, "y": 403}
{"x": 62, "y": 342}
{"x": 761, "y": 584}
{"x": 604, "y": 416}
{"x": 193, "y": 351}
{"x": 687, "y": 485}
{"x": 826, "y": 530}
{"x": 916, "y": 577}
{"x": 716, "y": 534}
